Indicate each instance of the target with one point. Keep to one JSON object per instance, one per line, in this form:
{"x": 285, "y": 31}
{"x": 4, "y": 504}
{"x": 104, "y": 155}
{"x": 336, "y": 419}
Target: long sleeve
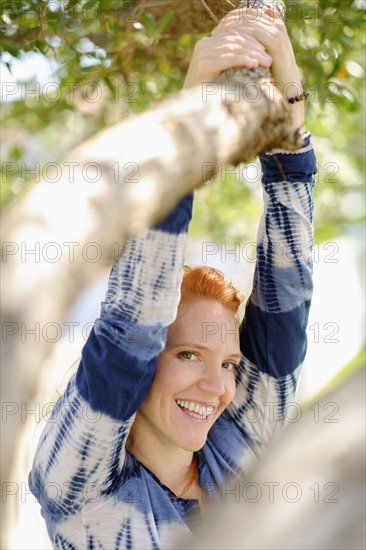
{"x": 81, "y": 450}
{"x": 273, "y": 331}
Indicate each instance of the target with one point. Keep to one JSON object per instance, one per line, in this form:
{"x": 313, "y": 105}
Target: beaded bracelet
{"x": 301, "y": 97}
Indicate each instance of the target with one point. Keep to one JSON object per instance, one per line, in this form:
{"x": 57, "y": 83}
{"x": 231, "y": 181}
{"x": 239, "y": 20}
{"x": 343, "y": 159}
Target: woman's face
{"x": 195, "y": 376}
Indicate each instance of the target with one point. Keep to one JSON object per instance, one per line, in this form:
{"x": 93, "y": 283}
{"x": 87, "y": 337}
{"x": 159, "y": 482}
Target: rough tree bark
{"x": 141, "y": 168}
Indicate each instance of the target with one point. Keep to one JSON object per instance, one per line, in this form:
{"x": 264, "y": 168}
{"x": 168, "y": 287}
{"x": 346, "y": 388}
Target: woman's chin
{"x": 192, "y": 444}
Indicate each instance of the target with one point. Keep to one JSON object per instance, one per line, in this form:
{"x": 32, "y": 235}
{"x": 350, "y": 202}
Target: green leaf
{"x": 149, "y": 22}
{"x": 11, "y": 47}
{"x": 166, "y": 21}
{"x": 127, "y": 4}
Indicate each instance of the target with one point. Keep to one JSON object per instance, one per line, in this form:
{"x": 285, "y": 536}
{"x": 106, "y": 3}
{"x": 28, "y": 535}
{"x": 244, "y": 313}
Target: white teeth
{"x": 195, "y": 409}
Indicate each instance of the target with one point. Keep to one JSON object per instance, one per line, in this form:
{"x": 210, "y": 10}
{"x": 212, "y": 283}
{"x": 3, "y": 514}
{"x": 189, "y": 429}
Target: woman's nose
{"x": 212, "y": 381}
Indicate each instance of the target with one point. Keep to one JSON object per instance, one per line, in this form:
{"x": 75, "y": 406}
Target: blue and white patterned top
{"x": 94, "y": 494}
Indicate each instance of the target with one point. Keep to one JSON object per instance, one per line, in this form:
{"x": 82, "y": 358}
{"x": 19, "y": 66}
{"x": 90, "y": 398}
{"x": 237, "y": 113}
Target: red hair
{"x": 207, "y": 282}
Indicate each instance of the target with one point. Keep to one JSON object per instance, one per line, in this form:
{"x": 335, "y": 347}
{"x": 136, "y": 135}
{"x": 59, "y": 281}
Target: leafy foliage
{"x": 103, "y": 63}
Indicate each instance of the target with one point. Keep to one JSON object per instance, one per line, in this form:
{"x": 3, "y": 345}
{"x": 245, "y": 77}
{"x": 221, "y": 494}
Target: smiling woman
{"x": 172, "y": 395}
{"x": 194, "y": 383}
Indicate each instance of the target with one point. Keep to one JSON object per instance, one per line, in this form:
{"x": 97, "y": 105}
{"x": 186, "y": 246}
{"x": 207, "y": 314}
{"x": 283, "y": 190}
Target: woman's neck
{"x": 170, "y": 464}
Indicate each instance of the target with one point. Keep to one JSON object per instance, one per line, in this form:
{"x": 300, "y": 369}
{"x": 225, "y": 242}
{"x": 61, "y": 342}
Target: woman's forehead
{"x": 203, "y": 320}
{"x": 203, "y": 308}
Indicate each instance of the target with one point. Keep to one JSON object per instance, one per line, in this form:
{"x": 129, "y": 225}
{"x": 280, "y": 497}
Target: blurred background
{"x": 72, "y": 68}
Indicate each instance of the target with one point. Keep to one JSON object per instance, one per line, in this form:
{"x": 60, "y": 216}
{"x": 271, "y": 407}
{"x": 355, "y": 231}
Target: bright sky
{"x": 31, "y": 66}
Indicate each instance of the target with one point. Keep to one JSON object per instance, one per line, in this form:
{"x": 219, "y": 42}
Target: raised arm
{"x": 81, "y": 450}
{"x": 273, "y": 331}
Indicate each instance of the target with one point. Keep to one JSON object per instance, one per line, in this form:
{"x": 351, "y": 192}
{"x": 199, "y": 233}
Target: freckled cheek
{"x": 169, "y": 380}
{"x": 174, "y": 374}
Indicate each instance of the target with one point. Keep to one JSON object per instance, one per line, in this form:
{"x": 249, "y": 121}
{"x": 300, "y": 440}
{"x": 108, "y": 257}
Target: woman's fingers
{"x": 219, "y": 53}
{"x": 237, "y": 42}
{"x": 213, "y": 55}
{"x": 265, "y": 26}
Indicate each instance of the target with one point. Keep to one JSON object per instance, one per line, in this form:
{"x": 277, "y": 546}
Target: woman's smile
{"x": 197, "y": 411}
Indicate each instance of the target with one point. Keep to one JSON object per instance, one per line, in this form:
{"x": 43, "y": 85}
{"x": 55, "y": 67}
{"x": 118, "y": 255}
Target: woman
{"x": 171, "y": 396}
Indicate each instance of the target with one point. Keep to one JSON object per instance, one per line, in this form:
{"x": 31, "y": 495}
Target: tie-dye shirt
{"x": 94, "y": 494}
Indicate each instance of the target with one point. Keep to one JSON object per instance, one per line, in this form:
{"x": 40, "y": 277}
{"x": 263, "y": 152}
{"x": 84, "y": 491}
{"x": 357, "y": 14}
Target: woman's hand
{"x": 249, "y": 38}
{"x": 267, "y": 28}
{"x": 227, "y": 48}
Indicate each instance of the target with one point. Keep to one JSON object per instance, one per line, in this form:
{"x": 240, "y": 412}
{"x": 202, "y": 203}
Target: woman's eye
{"x": 229, "y": 366}
{"x": 187, "y": 355}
